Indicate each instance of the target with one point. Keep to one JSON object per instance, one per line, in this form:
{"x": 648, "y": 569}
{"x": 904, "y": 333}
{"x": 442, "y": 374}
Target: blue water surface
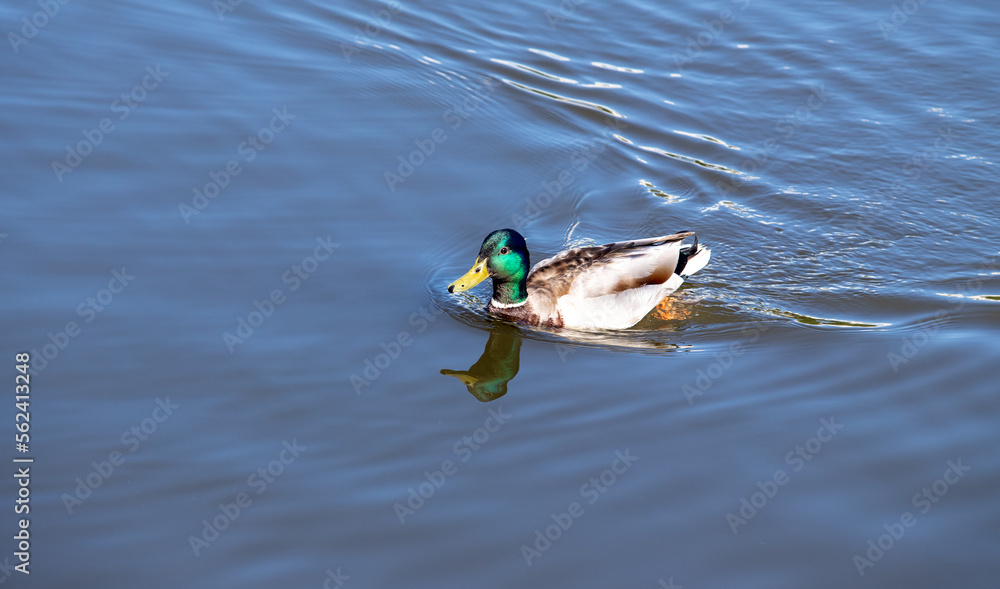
{"x": 229, "y": 227}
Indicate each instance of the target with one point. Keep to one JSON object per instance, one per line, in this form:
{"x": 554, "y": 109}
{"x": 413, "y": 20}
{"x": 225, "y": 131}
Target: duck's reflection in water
{"x": 487, "y": 379}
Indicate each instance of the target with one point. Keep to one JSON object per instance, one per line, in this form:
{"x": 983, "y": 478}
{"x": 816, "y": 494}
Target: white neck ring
{"x": 500, "y": 305}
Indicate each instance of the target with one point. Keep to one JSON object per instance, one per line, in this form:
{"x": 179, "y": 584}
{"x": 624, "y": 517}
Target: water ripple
{"x": 616, "y": 68}
{"x": 535, "y": 71}
{"x": 706, "y": 138}
{"x": 548, "y": 54}
{"x": 685, "y": 158}
{"x": 565, "y": 99}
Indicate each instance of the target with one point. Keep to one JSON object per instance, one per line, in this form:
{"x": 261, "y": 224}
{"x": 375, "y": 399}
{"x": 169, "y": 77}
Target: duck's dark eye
{"x": 504, "y": 250}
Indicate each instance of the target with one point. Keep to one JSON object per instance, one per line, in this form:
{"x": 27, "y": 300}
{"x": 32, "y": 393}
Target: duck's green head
{"x": 504, "y": 258}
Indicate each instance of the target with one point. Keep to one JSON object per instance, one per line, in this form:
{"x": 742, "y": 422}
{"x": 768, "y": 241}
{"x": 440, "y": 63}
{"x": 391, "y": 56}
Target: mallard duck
{"x": 610, "y": 286}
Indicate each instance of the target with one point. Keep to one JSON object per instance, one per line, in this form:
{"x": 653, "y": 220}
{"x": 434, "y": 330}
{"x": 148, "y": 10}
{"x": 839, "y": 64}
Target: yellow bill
{"x": 477, "y": 274}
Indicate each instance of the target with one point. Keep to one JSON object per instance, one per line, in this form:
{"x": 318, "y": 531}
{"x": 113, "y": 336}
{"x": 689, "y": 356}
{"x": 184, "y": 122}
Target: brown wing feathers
{"x": 558, "y": 274}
